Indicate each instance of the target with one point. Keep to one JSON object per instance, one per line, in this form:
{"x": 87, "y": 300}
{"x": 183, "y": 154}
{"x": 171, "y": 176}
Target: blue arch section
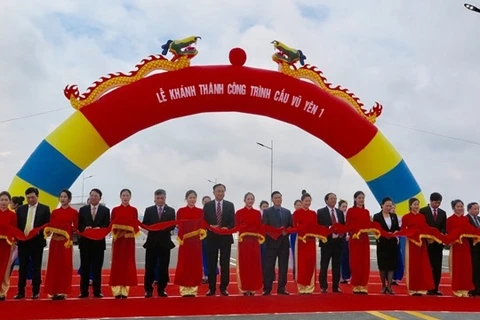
{"x": 49, "y": 170}
{"x": 398, "y": 184}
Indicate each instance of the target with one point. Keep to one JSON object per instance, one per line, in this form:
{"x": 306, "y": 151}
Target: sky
{"x": 418, "y": 58}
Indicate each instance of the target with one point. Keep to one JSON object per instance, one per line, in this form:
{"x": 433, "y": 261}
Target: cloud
{"x": 417, "y": 59}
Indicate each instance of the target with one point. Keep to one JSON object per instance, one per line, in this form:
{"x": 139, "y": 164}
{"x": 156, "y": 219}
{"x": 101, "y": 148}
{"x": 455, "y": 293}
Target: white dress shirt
{"x": 32, "y": 223}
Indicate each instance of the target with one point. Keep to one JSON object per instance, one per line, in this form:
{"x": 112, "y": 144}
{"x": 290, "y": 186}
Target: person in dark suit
{"x": 387, "y": 249}
{"x": 332, "y": 249}
{"x": 219, "y": 213}
{"x": 277, "y": 217}
{"x": 92, "y": 252}
{"x": 158, "y": 245}
{"x": 473, "y": 210}
{"x": 30, "y": 216}
{"x": 436, "y": 218}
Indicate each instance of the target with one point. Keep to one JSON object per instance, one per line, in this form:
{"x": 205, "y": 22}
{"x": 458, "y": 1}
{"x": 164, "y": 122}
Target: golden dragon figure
{"x": 182, "y": 50}
{"x": 287, "y": 57}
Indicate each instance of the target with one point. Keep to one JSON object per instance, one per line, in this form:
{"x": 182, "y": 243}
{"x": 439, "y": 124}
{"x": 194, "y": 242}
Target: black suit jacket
{"x": 477, "y": 247}
{"x": 270, "y": 218}
{"x": 42, "y": 216}
{"x": 440, "y": 223}
{"x": 159, "y": 239}
{"x": 228, "y": 219}
{"x": 102, "y": 220}
{"x": 378, "y": 217}
{"x": 324, "y": 218}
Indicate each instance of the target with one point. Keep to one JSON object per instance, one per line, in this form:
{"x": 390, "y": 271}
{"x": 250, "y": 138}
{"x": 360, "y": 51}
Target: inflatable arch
{"x": 102, "y": 118}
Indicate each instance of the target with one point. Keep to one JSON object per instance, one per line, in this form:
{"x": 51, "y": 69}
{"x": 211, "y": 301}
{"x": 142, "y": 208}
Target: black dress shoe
{"x": 210, "y": 293}
{"x": 324, "y": 290}
{"x": 344, "y": 282}
{"x": 118, "y": 297}
{"x": 35, "y": 296}
{"x": 19, "y": 296}
{"x": 266, "y": 293}
{"x": 283, "y": 292}
{"x": 337, "y": 291}
{"x": 438, "y": 293}
{"x": 148, "y": 294}
{"x": 2, "y": 298}
{"x": 98, "y": 295}
{"x": 163, "y": 294}
{"x": 224, "y": 293}
{"x": 431, "y": 293}
{"x": 83, "y": 296}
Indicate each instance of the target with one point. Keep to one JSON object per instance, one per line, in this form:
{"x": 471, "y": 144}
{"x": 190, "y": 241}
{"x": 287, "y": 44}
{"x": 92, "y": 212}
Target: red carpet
{"x": 136, "y": 305}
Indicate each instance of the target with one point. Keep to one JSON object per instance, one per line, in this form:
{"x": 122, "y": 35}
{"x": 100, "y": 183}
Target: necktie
{"x": 279, "y": 214}
{"x": 334, "y": 218}
{"x": 219, "y": 213}
{"x": 160, "y": 210}
{"x": 94, "y": 213}
{"x": 435, "y": 214}
{"x": 28, "y": 224}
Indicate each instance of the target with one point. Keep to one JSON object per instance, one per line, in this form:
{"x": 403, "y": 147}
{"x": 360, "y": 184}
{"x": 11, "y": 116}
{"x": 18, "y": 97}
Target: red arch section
{"x": 130, "y": 109}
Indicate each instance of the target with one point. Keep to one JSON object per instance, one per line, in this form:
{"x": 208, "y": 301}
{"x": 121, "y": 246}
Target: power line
{"x": 431, "y": 133}
{"x": 380, "y": 121}
{"x": 33, "y": 115}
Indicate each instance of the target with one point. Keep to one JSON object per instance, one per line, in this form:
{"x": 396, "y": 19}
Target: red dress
{"x": 58, "y": 279}
{"x": 8, "y": 219}
{"x": 359, "y": 248}
{"x": 249, "y": 261}
{"x": 189, "y": 265}
{"x": 305, "y": 252}
{"x": 123, "y": 270}
{"x": 419, "y": 276}
{"x": 460, "y": 258}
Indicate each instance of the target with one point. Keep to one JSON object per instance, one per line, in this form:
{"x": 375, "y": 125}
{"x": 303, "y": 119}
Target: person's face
{"x": 360, "y": 199}
{"x": 393, "y": 209}
{"x": 387, "y": 207}
{"x": 4, "y": 202}
{"x": 474, "y": 210}
{"x": 306, "y": 202}
{"x": 459, "y": 209}
{"x": 191, "y": 199}
{"x": 125, "y": 197}
{"x": 331, "y": 200}
{"x": 297, "y": 205}
{"x": 160, "y": 199}
{"x": 205, "y": 200}
{"x": 264, "y": 206}
{"x": 63, "y": 198}
{"x": 94, "y": 198}
{"x": 435, "y": 204}
{"x": 32, "y": 199}
{"x": 415, "y": 206}
{"x": 277, "y": 200}
{"x": 249, "y": 201}
{"x": 344, "y": 207}
{"x": 13, "y": 205}
{"x": 219, "y": 193}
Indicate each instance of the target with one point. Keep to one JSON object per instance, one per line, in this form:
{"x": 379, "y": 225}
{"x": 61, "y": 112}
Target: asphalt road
{"x": 140, "y": 255}
{"x": 371, "y": 315}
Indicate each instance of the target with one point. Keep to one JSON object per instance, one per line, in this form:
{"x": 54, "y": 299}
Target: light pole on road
{"x": 83, "y": 184}
{"x": 271, "y": 162}
{"x": 471, "y": 7}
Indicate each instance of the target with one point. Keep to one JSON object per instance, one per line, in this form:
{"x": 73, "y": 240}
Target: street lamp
{"x": 471, "y": 8}
{"x": 211, "y": 181}
{"x": 271, "y": 162}
{"x": 83, "y": 184}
